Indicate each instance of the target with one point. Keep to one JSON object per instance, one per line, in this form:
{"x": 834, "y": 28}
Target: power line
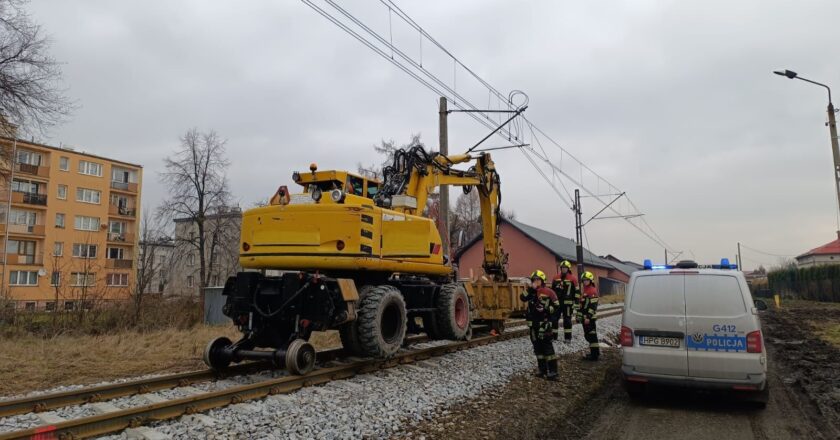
{"x": 769, "y": 254}
{"x": 386, "y": 48}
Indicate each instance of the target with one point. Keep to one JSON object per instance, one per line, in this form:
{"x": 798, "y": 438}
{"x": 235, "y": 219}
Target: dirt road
{"x": 803, "y": 375}
{"x": 804, "y": 397}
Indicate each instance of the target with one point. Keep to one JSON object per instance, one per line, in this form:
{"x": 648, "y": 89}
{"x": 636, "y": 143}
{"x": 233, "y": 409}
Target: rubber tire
{"x": 375, "y": 303}
{"x": 445, "y": 321}
{"x": 634, "y": 389}
{"x": 759, "y": 400}
{"x": 349, "y": 339}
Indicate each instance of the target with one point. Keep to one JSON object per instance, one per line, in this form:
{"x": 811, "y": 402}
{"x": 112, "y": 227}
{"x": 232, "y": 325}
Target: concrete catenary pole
{"x": 835, "y": 150}
{"x": 740, "y": 263}
{"x": 444, "y": 189}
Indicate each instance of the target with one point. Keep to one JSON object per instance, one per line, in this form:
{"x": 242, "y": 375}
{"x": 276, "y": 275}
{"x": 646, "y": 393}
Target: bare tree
{"x": 29, "y": 93}
{"x": 197, "y": 181}
{"x": 151, "y": 264}
{"x": 387, "y": 150}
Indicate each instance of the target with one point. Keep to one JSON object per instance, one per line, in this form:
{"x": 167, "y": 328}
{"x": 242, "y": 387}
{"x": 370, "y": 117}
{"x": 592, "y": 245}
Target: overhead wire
{"x": 515, "y": 132}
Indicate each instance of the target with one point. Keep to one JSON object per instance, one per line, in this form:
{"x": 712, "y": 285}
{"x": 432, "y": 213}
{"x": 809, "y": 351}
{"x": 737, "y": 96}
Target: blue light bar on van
{"x": 648, "y": 265}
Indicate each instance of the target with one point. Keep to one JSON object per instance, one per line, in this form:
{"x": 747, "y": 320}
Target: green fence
{"x": 819, "y": 283}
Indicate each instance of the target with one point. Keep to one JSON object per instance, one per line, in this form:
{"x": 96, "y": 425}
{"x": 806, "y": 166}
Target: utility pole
{"x": 443, "y": 215}
{"x": 835, "y": 149}
{"x": 666, "y": 257}
{"x": 578, "y": 234}
{"x": 740, "y": 264}
{"x": 832, "y": 129}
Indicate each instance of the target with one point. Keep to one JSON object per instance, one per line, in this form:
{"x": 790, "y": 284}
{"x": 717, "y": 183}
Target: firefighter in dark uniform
{"x": 586, "y": 314}
{"x": 541, "y": 317}
{"x": 565, "y": 285}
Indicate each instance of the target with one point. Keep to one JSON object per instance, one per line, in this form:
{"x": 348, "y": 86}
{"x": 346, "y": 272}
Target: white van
{"x": 692, "y": 326}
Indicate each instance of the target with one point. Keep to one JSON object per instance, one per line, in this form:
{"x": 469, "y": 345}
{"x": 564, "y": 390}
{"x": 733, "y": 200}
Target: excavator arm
{"x": 416, "y": 173}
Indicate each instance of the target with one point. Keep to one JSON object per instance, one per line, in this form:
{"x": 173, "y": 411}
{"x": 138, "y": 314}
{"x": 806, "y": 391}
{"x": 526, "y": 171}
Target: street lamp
{"x": 832, "y": 128}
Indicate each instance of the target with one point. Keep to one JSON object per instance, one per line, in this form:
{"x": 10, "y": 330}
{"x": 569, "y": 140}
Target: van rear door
{"x": 718, "y": 321}
{"x": 656, "y": 314}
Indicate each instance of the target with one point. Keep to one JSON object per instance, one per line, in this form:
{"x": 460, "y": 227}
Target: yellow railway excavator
{"x": 358, "y": 255}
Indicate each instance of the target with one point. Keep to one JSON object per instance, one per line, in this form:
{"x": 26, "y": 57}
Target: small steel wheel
{"x": 300, "y": 357}
{"x": 214, "y": 355}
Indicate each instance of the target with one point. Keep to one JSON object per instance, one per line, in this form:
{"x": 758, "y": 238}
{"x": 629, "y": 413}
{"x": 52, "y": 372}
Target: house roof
{"x": 830, "y": 248}
{"x": 560, "y": 246}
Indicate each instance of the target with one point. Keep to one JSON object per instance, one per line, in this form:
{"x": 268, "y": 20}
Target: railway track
{"x": 119, "y": 419}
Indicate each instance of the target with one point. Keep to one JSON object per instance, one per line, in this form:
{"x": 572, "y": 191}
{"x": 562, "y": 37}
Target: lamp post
{"x": 832, "y": 128}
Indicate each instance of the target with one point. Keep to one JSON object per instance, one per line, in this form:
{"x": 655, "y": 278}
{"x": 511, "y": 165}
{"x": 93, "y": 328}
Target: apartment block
{"x": 69, "y": 224}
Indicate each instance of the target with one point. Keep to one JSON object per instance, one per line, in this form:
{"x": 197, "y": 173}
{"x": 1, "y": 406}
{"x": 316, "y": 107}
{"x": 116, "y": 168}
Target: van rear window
{"x": 713, "y": 295}
{"x": 658, "y": 295}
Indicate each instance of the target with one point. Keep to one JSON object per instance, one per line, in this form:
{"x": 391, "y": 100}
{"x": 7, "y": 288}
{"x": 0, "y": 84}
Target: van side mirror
{"x": 760, "y": 305}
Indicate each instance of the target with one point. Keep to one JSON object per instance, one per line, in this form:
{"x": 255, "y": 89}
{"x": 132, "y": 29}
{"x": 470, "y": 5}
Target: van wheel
{"x": 759, "y": 400}
{"x": 382, "y": 321}
{"x": 634, "y": 389}
{"x": 452, "y": 317}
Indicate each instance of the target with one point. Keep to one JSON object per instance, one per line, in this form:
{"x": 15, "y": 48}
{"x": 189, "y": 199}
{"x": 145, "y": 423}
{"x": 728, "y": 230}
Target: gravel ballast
{"x": 380, "y": 404}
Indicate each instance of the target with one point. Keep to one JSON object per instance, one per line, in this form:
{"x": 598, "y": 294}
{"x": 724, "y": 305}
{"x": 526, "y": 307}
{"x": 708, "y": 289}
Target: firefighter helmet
{"x": 588, "y": 276}
{"x": 538, "y": 274}
{"x": 566, "y": 264}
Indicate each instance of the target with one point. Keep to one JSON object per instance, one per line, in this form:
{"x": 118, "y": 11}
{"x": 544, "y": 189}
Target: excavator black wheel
{"x": 381, "y": 322}
{"x": 452, "y": 319}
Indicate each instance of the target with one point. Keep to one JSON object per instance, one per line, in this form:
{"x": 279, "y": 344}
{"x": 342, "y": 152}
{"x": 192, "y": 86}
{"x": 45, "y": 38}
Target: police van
{"x": 687, "y": 325}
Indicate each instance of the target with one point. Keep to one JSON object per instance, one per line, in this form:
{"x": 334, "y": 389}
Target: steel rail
{"x": 132, "y": 417}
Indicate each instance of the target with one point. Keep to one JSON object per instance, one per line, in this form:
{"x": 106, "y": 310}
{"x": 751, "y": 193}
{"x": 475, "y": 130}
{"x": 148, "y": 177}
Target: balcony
{"x": 24, "y": 260}
{"x": 129, "y": 187}
{"x": 124, "y": 211}
{"x": 121, "y": 237}
{"x": 112, "y": 263}
{"x": 34, "y": 170}
{"x": 25, "y": 229}
{"x": 29, "y": 198}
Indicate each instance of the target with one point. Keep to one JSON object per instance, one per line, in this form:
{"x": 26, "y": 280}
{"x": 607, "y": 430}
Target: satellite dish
{"x": 42, "y": 272}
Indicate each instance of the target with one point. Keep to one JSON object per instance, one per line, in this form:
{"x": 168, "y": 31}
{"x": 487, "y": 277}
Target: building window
{"x": 64, "y": 163}
{"x": 117, "y": 279}
{"x": 189, "y": 281}
{"x": 88, "y": 195}
{"x": 29, "y": 306}
{"x": 18, "y": 217}
{"x": 62, "y": 192}
{"x": 55, "y": 278}
{"x": 90, "y": 168}
{"x": 82, "y": 279}
{"x": 59, "y": 220}
{"x": 84, "y": 223}
{"x": 191, "y": 259}
{"x": 28, "y": 157}
{"x": 69, "y": 305}
{"x": 82, "y": 250}
{"x": 23, "y": 278}
{"x": 58, "y": 248}
{"x": 116, "y": 253}
{"x": 49, "y": 306}
{"x": 115, "y": 227}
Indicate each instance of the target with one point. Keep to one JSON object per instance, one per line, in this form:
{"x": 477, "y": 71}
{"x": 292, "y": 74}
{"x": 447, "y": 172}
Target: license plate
{"x": 659, "y": 341}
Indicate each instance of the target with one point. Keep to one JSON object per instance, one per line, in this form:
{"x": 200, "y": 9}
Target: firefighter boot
{"x": 552, "y": 370}
{"x": 543, "y": 369}
{"x": 594, "y": 354}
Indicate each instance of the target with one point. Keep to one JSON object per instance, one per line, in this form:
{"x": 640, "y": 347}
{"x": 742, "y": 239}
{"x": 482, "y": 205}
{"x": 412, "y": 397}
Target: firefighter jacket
{"x": 543, "y": 308}
{"x": 566, "y": 287}
{"x": 588, "y": 303}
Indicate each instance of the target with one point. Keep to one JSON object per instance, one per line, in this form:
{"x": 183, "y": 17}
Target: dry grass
{"x": 32, "y": 363}
{"x": 830, "y": 334}
{"x": 611, "y": 299}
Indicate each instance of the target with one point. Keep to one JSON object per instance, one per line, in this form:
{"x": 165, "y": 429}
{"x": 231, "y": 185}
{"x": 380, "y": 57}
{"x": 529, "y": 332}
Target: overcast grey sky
{"x": 673, "y": 102}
